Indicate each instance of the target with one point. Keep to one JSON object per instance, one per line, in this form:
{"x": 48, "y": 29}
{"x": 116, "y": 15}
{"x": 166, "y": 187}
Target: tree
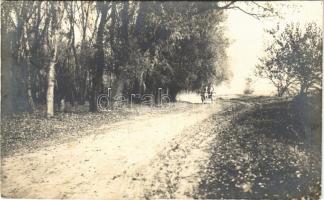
{"x": 15, "y": 49}
{"x": 307, "y": 51}
{"x": 294, "y": 59}
{"x": 97, "y": 72}
{"x": 180, "y": 48}
{"x": 56, "y": 13}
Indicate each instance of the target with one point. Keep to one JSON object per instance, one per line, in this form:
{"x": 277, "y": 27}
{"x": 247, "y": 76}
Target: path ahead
{"x": 115, "y": 162}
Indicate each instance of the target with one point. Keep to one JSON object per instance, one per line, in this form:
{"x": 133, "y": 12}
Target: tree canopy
{"x": 293, "y": 61}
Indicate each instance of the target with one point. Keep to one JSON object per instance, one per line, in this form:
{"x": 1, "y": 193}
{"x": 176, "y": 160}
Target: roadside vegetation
{"x": 293, "y": 59}
{"x": 25, "y": 132}
{"x": 266, "y": 153}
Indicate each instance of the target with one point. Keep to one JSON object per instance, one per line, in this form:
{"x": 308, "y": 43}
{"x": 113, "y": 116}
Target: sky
{"x": 248, "y": 40}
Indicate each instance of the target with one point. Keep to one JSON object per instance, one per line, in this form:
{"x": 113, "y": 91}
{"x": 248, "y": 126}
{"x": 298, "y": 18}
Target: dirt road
{"x": 241, "y": 148}
{"x": 121, "y": 160}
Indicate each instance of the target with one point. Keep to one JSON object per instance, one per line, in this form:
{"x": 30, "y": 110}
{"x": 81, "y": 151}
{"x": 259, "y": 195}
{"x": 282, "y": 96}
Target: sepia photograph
{"x": 113, "y": 100}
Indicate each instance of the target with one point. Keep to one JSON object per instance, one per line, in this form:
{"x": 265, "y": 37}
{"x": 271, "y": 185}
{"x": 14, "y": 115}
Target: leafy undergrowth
{"x": 26, "y": 132}
{"x": 263, "y": 155}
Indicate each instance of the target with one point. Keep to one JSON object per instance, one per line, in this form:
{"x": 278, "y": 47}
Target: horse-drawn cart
{"x": 207, "y": 95}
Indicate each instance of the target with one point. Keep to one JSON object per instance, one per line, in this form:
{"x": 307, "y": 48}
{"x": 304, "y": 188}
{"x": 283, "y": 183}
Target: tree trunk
{"x": 50, "y": 84}
{"x": 121, "y": 80}
{"x": 29, "y": 90}
{"x": 121, "y": 74}
{"x": 100, "y": 60}
{"x": 142, "y": 84}
{"x": 29, "y": 79}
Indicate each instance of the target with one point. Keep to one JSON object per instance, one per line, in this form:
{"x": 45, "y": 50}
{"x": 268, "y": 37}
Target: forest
{"x": 74, "y": 51}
